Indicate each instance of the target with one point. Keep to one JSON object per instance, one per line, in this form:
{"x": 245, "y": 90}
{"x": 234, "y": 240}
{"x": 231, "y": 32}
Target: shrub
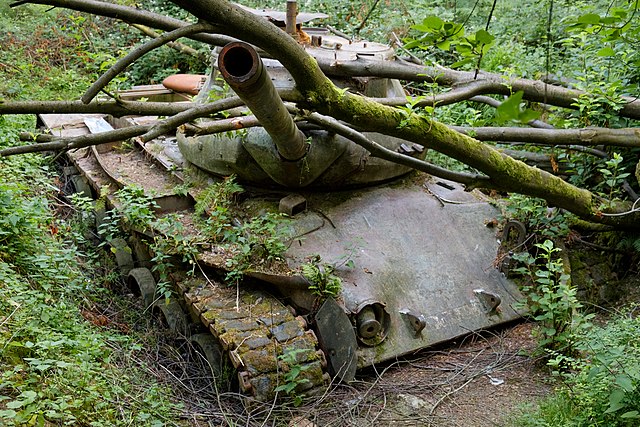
{"x": 602, "y": 387}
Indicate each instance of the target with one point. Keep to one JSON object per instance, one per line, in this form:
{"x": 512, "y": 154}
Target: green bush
{"x": 551, "y": 300}
{"x": 602, "y": 387}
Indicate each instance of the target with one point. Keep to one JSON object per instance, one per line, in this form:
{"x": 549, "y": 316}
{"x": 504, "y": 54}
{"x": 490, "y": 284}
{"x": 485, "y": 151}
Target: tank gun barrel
{"x": 242, "y": 68}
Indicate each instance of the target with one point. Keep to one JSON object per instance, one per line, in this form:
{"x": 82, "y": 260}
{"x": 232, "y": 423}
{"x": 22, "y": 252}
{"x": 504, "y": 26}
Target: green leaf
{"x": 429, "y": 24}
{"x": 589, "y": 18}
{"x": 15, "y": 404}
{"x": 630, "y": 414}
{"x": 527, "y": 115}
{"x": 615, "y": 401}
{"x": 509, "y": 109}
{"x": 411, "y": 43}
{"x": 465, "y": 61}
{"x": 625, "y": 382}
{"x": 483, "y": 36}
{"x": 606, "y": 51}
{"x": 609, "y": 20}
{"x": 11, "y": 414}
{"x": 29, "y": 395}
{"x": 444, "y": 45}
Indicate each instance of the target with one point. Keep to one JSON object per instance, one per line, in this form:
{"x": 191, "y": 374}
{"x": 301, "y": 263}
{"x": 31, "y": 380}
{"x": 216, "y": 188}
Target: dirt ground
{"x": 475, "y": 382}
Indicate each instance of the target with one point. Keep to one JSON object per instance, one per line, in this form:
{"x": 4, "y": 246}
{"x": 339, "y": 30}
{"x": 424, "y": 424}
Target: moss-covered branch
{"x": 320, "y": 95}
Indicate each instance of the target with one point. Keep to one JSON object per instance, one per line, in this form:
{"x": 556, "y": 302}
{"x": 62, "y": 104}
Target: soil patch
{"x": 476, "y": 382}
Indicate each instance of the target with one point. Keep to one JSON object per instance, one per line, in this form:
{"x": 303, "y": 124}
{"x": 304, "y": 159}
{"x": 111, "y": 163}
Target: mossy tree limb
{"x": 319, "y": 94}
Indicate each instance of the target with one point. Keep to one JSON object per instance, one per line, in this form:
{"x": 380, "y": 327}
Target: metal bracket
{"x": 416, "y": 320}
{"x": 490, "y": 301}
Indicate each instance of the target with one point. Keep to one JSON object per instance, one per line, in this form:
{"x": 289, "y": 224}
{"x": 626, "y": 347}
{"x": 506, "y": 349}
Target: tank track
{"x": 256, "y": 330}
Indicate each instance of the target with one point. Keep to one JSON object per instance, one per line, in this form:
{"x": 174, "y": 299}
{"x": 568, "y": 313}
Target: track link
{"x": 255, "y": 329}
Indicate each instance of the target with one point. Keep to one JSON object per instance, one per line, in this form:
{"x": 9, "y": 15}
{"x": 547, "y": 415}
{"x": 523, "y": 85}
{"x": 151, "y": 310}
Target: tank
{"x": 381, "y": 261}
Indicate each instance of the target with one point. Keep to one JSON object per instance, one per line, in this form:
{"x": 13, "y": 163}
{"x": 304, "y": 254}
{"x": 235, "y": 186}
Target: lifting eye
{"x": 416, "y": 321}
{"x": 489, "y": 300}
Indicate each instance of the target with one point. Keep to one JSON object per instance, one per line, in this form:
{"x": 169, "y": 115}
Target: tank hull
{"x": 420, "y": 257}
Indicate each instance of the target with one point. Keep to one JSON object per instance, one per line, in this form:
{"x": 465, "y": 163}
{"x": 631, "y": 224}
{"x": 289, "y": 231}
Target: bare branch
{"x": 138, "y": 52}
{"x": 590, "y": 137}
{"x": 225, "y": 125}
{"x": 129, "y": 14}
{"x": 377, "y": 150}
{"x": 78, "y": 141}
{"x": 115, "y": 108}
{"x": 200, "y": 110}
{"x": 180, "y": 47}
{"x": 457, "y": 94}
{"x": 489, "y": 83}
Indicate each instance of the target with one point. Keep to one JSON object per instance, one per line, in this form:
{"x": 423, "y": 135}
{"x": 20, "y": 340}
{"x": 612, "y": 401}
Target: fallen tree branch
{"x": 119, "y": 107}
{"x": 590, "y": 137}
{"x": 146, "y": 132}
{"x": 377, "y": 150}
{"x": 115, "y": 108}
{"x": 487, "y": 83}
{"x": 78, "y": 141}
{"x": 460, "y": 93}
{"x": 225, "y": 125}
{"x": 200, "y": 110}
{"x": 130, "y": 15}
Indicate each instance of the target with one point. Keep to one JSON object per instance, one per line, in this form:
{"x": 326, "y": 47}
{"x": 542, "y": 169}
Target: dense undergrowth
{"x": 68, "y": 353}
{"x": 61, "y": 366}
{"x": 63, "y": 360}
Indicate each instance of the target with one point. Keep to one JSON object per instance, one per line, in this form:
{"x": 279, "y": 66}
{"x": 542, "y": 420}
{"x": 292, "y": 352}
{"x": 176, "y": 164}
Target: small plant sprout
{"x": 292, "y": 377}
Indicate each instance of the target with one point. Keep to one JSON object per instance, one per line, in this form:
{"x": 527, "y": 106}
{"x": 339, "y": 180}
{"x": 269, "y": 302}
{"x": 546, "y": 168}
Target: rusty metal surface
{"x": 429, "y": 263}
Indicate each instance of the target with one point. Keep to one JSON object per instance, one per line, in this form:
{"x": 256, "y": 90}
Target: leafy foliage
{"x": 214, "y": 204}
{"x": 256, "y": 243}
{"x": 551, "y": 300}
{"x": 602, "y": 386}
{"x": 57, "y": 368}
{"x": 322, "y": 281}
{"x": 510, "y": 109}
{"x": 292, "y": 378}
{"x": 446, "y": 35}
{"x": 613, "y": 177}
{"x": 539, "y": 219}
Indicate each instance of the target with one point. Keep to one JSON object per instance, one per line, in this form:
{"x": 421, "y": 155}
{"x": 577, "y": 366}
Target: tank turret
{"x": 280, "y": 154}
